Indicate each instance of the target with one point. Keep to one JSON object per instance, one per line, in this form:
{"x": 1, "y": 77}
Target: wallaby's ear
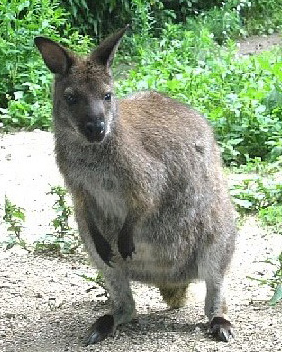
{"x": 56, "y": 58}
{"x": 105, "y": 51}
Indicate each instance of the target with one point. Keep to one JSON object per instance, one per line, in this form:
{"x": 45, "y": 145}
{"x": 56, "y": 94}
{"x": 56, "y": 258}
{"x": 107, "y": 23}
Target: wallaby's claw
{"x": 221, "y": 328}
{"x": 101, "y": 329}
{"x": 126, "y": 246}
{"x": 126, "y": 252}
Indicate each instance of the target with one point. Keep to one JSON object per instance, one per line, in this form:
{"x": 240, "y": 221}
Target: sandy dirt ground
{"x": 46, "y": 306}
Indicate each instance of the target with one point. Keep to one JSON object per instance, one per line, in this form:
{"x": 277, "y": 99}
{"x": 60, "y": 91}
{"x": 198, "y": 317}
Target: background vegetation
{"x": 175, "y": 47}
{"x": 184, "y": 48}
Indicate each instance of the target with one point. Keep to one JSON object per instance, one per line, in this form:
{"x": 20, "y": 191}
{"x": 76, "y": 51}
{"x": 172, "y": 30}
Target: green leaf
{"x": 277, "y": 295}
{"x": 23, "y": 5}
{"x": 243, "y": 203}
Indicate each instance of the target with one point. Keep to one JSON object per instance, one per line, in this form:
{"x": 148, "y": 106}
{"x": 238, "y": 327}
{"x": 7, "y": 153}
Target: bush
{"x": 24, "y": 79}
{"x": 262, "y": 16}
{"x": 240, "y": 95}
{"x": 99, "y": 18}
{"x": 272, "y": 217}
{"x": 224, "y": 19}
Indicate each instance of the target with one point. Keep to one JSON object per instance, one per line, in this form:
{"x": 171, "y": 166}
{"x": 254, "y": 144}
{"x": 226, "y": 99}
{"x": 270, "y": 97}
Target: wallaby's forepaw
{"x": 101, "y": 329}
{"x": 126, "y": 246}
{"x": 221, "y": 328}
{"x": 103, "y": 247}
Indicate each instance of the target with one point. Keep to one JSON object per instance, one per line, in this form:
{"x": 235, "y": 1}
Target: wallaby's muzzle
{"x": 95, "y": 130}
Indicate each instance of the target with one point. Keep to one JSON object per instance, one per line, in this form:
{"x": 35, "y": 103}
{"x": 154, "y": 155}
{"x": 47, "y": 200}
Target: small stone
{"x": 10, "y": 315}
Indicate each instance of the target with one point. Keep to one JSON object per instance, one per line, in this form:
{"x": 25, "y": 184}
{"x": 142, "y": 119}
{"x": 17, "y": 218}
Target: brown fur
{"x": 174, "y": 296}
{"x": 146, "y": 179}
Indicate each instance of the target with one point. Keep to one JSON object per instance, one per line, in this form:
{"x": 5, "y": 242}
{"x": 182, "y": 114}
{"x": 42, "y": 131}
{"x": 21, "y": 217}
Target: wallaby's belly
{"x": 161, "y": 262}
{"x": 161, "y": 253}
{"x": 148, "y": 267}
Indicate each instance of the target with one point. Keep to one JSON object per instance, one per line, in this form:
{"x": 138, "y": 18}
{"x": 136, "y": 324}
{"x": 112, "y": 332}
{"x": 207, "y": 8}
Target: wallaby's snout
{"x": 95, "y": 130}
{"x": 94, "y": 125}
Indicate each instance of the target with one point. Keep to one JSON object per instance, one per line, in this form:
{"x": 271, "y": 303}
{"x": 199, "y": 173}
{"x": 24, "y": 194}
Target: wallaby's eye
{"x": 108, "y": 96}
{"x": 71, "y": 99}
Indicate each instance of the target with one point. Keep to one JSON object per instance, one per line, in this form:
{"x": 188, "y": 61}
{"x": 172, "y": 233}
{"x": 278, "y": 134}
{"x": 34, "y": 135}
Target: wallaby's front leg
{"x": 123, "y": 306}
{"x": 103, "y": 247}
{"x": 115, "y": 274}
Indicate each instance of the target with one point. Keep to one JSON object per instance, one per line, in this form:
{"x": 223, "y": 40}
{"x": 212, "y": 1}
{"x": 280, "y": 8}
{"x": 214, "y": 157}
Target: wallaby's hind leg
{"x": 174, "y": 296}
{"x": 216, "y": 308}
{"x": 123, "y": 306}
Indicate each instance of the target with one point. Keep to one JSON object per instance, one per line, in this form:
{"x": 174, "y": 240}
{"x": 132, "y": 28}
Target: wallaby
{"x": 146, "y": 179}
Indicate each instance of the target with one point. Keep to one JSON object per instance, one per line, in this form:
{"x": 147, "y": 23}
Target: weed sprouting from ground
{"x": 14, "y": 218}
{"x": 259, "y": 192}
{"x": 64, "y": 239}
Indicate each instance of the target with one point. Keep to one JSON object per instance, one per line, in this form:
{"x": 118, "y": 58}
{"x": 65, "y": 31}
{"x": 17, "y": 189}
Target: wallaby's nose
{"x": 95, "y": 130}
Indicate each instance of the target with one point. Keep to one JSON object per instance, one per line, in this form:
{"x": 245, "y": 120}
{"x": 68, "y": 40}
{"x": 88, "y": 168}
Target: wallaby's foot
{"x": 101, "y": 329}
{"x": 175, "y": 297}
{"x": 221, "y": 328}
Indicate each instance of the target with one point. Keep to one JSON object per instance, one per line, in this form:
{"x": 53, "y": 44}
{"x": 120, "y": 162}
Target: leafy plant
{"x": 262, "y": 16}
{"x": 259, "y": 189}
{"x": 272, "y": 217}
{"x": 235, "y": 93}
{"x": 25, "y": 98}
{"x": 98, "y": 280}
{"x": 274, "y": 282}
{"x": 14, "y": 217}
{"x": 61, "y": 222}
{"x": 256, "y": 192}
{"x": 64, "y": 238}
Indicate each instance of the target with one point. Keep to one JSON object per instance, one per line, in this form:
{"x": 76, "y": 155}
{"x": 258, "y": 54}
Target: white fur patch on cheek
{"x": 110, "y": 123}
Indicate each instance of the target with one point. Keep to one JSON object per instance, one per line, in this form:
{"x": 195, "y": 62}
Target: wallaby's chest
{"x": 111, "y": 201}
{"x": 101, "y": 182}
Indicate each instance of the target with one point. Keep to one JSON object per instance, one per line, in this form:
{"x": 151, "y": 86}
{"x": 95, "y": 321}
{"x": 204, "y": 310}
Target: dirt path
{"x": 45, "y": 306}
{"x": 257, "y": 44}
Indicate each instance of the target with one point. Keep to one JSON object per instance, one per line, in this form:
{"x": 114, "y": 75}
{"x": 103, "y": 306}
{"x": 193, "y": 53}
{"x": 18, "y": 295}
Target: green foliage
{"x": 274, "y": 282}
{"x": 100, "y": 18}
{"x": 25, "y": 98}
{"x": 63, "y": 210}
{"x": 262, "y": 16}
{"x": 14, "y": 217}
{"x": 240, "y": 95}
{"x": 63, "y": 239}
{"x": 255, "y": 193}
{"x": 227, "y": 19}
{"x": 272, "y": 217}
{"x": 259, "y": 192}
{"x": 98, "y": 280}
{"x": 240, "y": 18}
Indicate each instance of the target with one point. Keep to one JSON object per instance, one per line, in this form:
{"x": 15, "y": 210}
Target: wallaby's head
{"x": 83, "y": 90}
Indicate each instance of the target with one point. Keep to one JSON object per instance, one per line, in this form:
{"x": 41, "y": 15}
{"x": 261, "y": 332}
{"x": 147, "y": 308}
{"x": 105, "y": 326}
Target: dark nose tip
{"x": 95, "y": 131}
